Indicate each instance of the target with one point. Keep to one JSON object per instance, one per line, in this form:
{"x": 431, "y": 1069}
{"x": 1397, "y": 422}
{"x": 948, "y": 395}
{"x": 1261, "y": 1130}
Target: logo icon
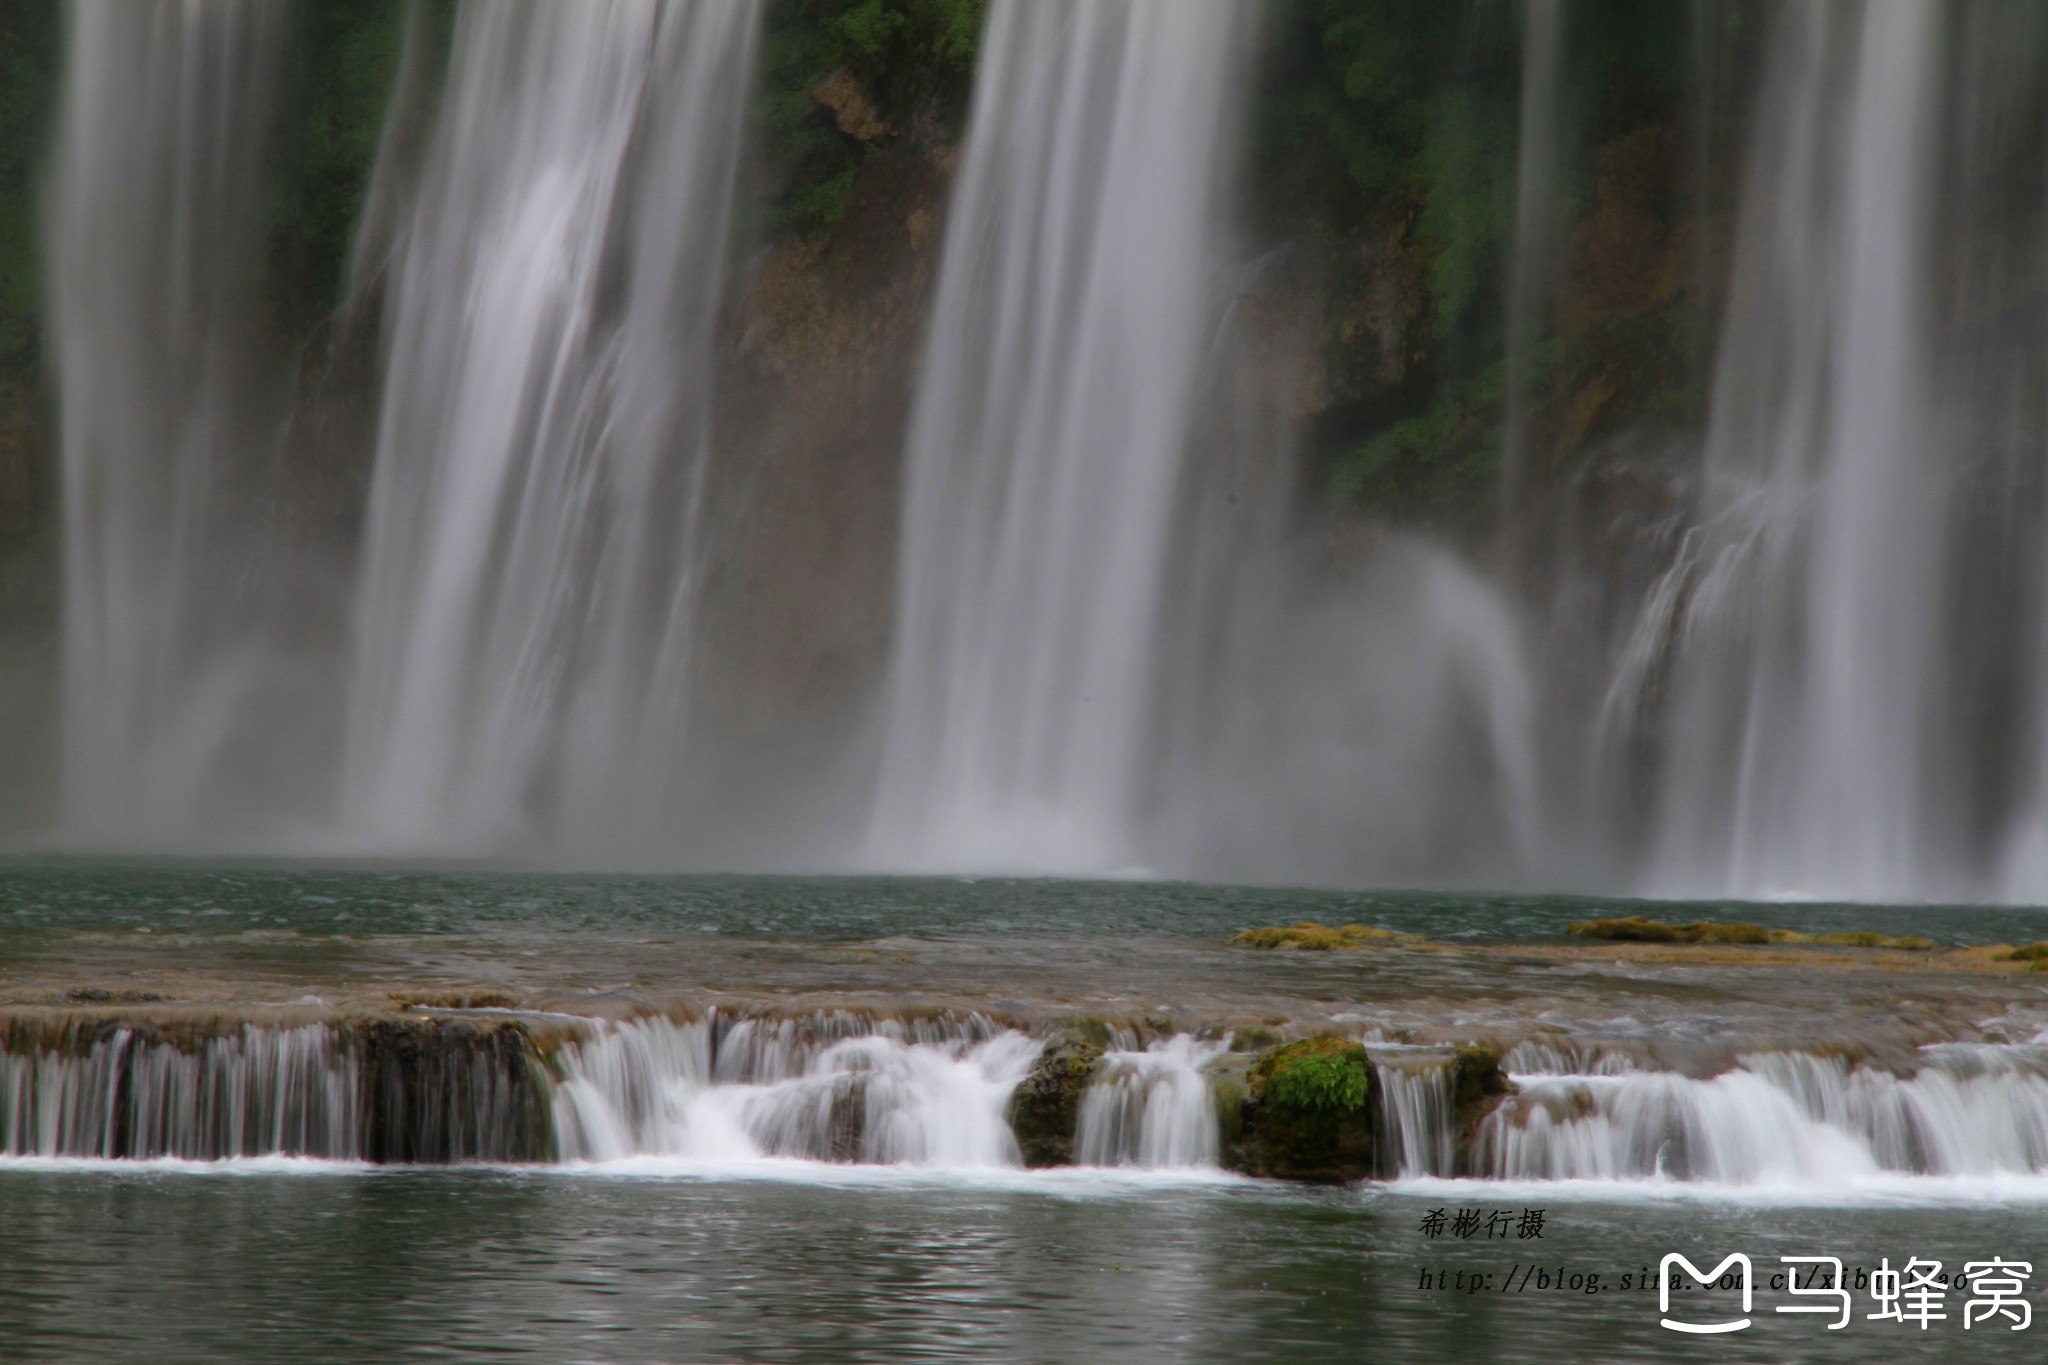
{"x": 1706, "y": 1277}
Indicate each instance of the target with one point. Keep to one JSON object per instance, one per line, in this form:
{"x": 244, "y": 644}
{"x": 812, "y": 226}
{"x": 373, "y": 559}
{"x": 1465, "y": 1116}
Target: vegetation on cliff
{"x": 842, "y": 78}
{"x": 1390, "y": 146}
{"x": 338, "y": 92}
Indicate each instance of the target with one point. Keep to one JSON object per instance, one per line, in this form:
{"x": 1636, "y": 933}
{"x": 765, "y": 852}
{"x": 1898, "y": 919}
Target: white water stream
{"x": 1781, "y": 1118}
{"x": 719, "y": 1093}
{"x": 155, "y": 229}
{"x": 1804, "y": 618}
{"x": 254, "y": 1092}
{"x": 1052, "y": 425}
{"x": 1415, "y": 1135}
{"x": 1152, "y": 1108}
{"x": 532, "y": 560}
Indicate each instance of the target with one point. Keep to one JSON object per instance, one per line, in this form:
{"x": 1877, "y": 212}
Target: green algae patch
{"x": 1638, "y": 929}
{"x": 2031, "y": 952}
{"x": 1308, "y": 936}
{"x": 1045, "y": 1110}
{"x": 1307, "y": 1113}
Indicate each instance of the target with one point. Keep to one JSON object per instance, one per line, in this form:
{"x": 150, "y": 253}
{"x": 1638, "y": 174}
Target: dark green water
{"x": 50, "y": 894}
{"x": 401, "y": 1265}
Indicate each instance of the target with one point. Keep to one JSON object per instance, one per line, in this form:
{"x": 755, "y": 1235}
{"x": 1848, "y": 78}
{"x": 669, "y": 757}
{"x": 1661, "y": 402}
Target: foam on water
{"x": 931, "y": 1093}
{"x": 1781, "y": 1119}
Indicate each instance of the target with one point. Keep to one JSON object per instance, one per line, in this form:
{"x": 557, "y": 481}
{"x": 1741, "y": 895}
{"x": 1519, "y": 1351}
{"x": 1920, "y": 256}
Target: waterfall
{"x": 841, "y": 1089}
{"x": 416, "y": 1091}
{"x": 1376, "y": 727}
{"x": 532, "y": 556}
{"x": 1052, "y": 421}
{"x": 1782, "y": 1117}
{"x": 934, "y": 1092}
{"x": 1539, "y": 201}
{"x": 1561, "y": 1057}
{"x": 154, "y": 228}
{"x": 1152, "y": 1108}
{"x": 1415, "y": 1136}
{"x": 255, "y": 1092}
{"x": 1810, "y": 662}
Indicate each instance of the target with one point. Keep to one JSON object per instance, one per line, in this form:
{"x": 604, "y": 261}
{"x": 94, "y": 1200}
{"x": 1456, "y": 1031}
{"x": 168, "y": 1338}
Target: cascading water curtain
{"x": 1051, "y": 426}
{"x": 1808, "y": 688}
{"x": 524, "y": 621}
{"x": 155, "y": 217}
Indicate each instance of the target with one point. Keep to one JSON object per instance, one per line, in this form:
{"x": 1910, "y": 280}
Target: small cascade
{"x": 255, "y": 1092}
{"x": 1782, "y": 1117}
{"x": 936, "y": 1093}
{"x": 387, "y": 1091}
{"x": 1562, "y": 1057}
{"x": 1415, "y": 1134}
{"x": 926, "y": 1093}
{"x": 526, "y": 618}
{"x": 1152, "y": 1108}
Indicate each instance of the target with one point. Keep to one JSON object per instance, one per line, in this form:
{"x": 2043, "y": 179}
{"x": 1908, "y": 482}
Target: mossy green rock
{"x": 1307, "y": 1113}
{"x": 1047, "y": 1106}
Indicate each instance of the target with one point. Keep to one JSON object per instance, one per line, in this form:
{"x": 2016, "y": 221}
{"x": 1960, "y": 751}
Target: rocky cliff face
{"x": 823, "y": 348}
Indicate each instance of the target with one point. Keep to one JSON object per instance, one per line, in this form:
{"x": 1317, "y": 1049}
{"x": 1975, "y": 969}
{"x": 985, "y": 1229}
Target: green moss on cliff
{"x": 841, "y": 77}
{"x": 1389, "y": 148}
{"x": 338, "y": 92}
{"x": 1306, "y": 1112}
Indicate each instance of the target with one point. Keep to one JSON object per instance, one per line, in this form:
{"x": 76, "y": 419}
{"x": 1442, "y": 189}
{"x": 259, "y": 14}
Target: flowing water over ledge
{"x": 935, "y": 1093}
{"x": 609, "y": 1117}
